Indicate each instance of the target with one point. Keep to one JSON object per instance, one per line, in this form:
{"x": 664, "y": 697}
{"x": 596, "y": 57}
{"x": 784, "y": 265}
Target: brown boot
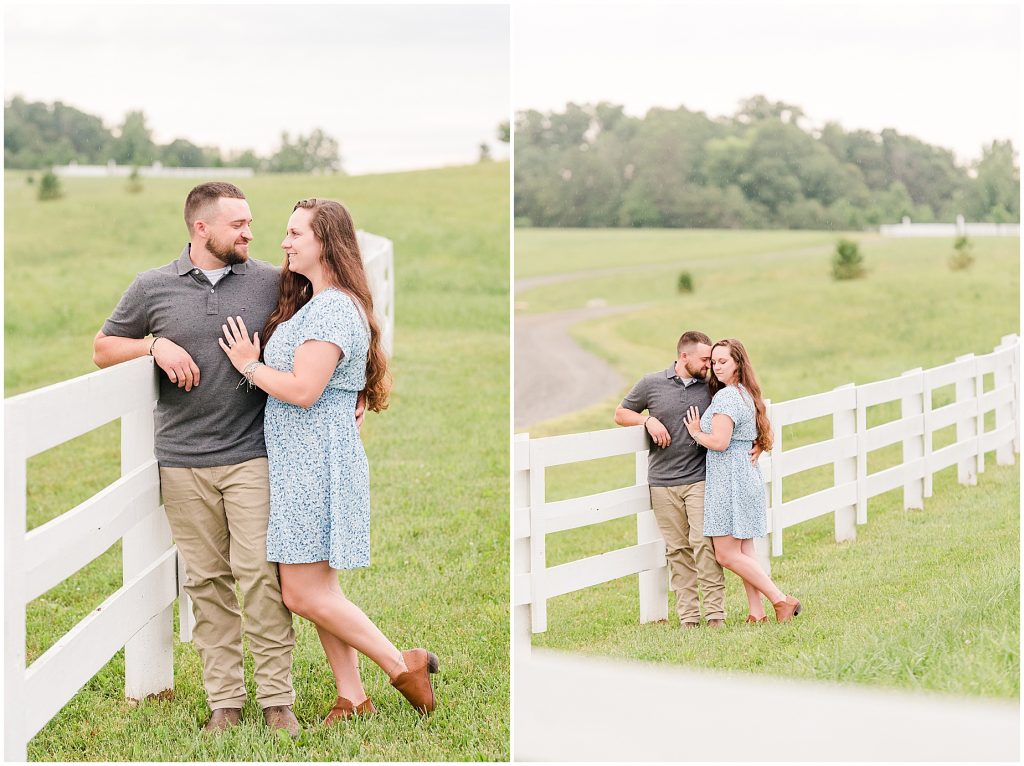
{"x": 787, "y": 609}
{"x": 414, "y": 684}
{"x": 282, "y": 717}
{"x": 344, "y": 708}
{"x": 223, "y": 718}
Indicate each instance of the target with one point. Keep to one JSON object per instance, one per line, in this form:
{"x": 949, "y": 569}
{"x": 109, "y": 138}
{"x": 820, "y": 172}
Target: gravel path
{"x": 553, "y": 375}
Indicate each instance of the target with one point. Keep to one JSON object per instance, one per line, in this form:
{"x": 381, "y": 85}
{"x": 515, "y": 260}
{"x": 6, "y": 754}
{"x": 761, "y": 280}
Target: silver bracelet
{"x": 248, "y": 373}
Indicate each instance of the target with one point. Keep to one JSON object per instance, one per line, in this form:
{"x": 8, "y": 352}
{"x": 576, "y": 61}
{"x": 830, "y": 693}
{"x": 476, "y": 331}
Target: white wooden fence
{"x": 138, "y": 616}
{"x": 961, "y": 227}
{"x": 535, "y": 517}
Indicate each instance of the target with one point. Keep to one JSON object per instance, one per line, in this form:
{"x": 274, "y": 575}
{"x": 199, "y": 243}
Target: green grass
{"x": 439, "y": 456}
{"x": 922, "y": 599}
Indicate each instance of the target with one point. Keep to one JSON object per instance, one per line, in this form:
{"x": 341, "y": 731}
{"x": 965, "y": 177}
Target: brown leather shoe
{"x": 223, "y": 718}
{"x": 689, "y": 625}
{"x": 344, "y": 709}
{"x": 282, "y": 717}
{"x": 786, "y": 610}
{"x": 414, "y": 684}
{"x": 716, "y": 623}
{"x": 751, "y": 620}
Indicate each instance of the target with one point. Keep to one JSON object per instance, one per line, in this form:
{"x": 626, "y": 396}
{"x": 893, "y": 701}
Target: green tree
{"x": 134, "y": 143}
{"x": 181, "y": 154}
{"x": 49, "y": 187}
{"x": 315, "y": 153}
{"x": 994, "y": 194}
{"x": 847, "y": 262}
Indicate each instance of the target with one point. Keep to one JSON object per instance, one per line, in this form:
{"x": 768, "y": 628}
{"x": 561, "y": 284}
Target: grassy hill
{"x": 438, "y": 456}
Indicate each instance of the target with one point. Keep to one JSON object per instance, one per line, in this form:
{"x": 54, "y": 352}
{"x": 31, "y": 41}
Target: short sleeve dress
{"x": 319, "y": 476}
{"x": 734, "y": 496}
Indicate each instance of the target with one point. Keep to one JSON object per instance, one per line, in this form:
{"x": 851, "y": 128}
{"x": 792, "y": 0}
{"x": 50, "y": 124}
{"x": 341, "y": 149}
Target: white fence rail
{"x": 139, "y": 615}
{"x": 846, "y": 451}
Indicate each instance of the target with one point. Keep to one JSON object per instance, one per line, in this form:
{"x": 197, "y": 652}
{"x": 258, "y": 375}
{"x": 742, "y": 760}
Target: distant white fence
{"x": 535, "y": 517}
{"x": 949, "y": 230}
{"x": 156, "y": 170}
{"x": 138, "y": 616}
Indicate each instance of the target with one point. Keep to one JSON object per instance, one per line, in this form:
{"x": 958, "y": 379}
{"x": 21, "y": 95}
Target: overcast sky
{"x": 400, "y": 87}
{"x": 946, "y": 73}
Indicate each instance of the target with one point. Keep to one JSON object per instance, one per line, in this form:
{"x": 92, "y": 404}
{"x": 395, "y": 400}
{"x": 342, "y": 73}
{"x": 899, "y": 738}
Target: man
{"x": 209, "y": 444}
{"x": 676, "y": 466}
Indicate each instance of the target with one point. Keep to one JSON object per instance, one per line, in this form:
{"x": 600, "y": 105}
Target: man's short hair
{"x": 198, "y": 201}
{"x": 690, "y": 337}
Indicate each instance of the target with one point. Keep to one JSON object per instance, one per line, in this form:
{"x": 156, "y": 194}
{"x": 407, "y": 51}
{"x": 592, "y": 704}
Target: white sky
{"x": 946, "y": 73}
{"x": 399, "y": 86}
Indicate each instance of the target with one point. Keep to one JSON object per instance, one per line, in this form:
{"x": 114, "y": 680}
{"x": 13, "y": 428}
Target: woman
{"x": 734, "y": 499}
{"x": 323, "y": 352}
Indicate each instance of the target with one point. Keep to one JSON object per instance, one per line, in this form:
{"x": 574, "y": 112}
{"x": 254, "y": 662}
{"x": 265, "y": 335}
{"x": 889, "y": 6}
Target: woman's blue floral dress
{"x": 319, "y": 477}
{"x": 734, "y": 497}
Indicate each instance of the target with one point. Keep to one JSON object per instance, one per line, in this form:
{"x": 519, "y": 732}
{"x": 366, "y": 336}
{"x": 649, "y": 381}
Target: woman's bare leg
{"x": 731, "y": 556}
{"x": 312, "y": 591}
{"x": 756, "y": 606}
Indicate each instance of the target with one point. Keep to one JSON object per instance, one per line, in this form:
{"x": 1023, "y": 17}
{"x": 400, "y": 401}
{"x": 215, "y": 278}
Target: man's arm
{"x": 627, "y": 417}
{"x": 108, "y": 350}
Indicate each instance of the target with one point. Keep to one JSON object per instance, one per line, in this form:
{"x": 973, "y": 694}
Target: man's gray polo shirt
{"x": 216, "y": 423}
{"x": 664, "y": 395}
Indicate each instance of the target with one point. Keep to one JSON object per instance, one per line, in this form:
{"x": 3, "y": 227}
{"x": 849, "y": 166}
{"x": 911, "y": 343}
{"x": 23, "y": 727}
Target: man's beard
{"x": 700, "y": 373}
{"x": 225, "y": 253}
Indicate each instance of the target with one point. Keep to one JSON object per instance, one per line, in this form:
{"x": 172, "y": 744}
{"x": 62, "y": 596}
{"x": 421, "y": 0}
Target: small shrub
{"x": 685, "y": 283}
{"x": 49, "y": 187}
{"x": 30, "y": 179}
{"x": 134, "y": 181}
{"x": 962, "y": 256}
{"x": 847, "y": 263}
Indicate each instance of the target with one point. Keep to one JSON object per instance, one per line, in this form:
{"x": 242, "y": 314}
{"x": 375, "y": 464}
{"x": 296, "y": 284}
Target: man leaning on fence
{"x": 676, "y": 465}
{"x": 209, "y": 444}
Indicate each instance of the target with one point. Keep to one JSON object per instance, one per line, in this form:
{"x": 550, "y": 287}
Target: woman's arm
{"x": 721, "y": 430}
{"x": 315, "y": 361}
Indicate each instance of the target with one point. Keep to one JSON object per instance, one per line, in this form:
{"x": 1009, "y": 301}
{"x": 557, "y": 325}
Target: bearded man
{"x": 209, "y": 445}
{"x": 676, "y": 468}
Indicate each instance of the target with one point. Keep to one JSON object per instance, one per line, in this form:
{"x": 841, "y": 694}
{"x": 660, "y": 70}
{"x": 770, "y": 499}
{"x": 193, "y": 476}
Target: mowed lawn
{"x": 923, "y": 599}
{"x": 438, "y": 456}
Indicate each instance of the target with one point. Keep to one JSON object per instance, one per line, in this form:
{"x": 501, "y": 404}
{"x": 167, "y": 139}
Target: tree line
{"x": 40, "y": 135}
{"x": 593, "y": 165}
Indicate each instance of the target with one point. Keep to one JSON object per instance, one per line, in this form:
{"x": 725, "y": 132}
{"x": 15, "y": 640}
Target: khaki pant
{"x": 691, "y": 556}
{"x": 218, "y": 517}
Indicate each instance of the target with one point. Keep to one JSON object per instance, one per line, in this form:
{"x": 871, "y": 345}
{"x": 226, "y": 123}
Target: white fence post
{"x": 928, "y": 437}
{"x": 1015, "y": 342}
{"x": 538, "y": 551}
{"x": 149, "y": 654}
{"x": 966, "y": 425}
{"x": 776, "y": 496}
{"x": 1004, "y": 412}
{"x": 844, "y": 471}
{"x": 861, "y": 426}
{"x": 521, "y": 547}
{"x": 762, "y": 545}
{"x": 912, "y": 406}
{"x": 653, "y": 582}
{"x": 15, "y": 726}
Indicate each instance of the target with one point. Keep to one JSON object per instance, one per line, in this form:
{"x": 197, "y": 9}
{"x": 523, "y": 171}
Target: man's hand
{"x": 176, "y": 362}
{"x": 755, "y": 453}
{"x": 360, "y": 409}
{"x": 658, "y": 432}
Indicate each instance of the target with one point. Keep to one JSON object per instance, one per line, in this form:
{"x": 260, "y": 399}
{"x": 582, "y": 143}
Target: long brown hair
{"x": 746, "y": 377}
{"x": 333, "y": 228}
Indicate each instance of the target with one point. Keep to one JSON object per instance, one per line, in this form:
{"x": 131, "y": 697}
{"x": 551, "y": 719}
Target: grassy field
{"x": 903, "y": 605}
{"x": 439, "y": 576}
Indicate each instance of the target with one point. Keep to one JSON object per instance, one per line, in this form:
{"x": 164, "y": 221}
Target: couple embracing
{"x": 707, "y": 431}
{"x": 262, "y": 471}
